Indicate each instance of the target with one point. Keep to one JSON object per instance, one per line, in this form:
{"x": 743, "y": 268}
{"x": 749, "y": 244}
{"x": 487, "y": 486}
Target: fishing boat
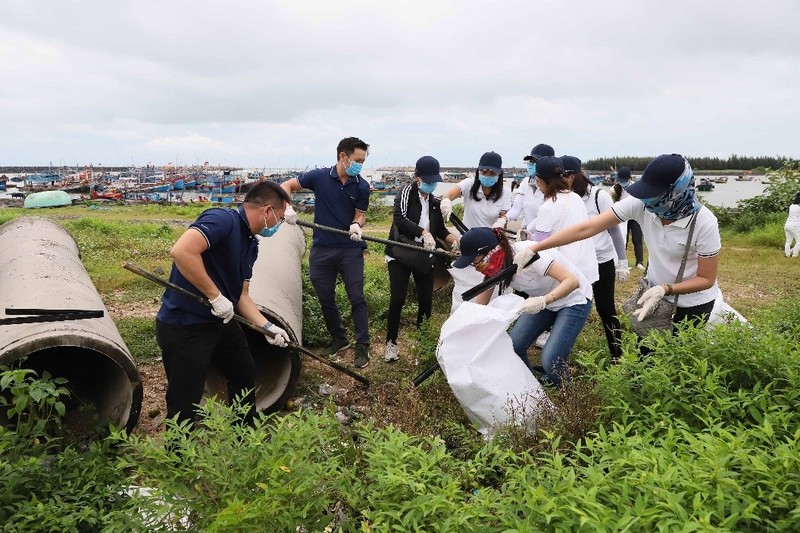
{"x": 721, "y": 179}
{"x": 47, "y": 199}
{"x": 705, "y": 185}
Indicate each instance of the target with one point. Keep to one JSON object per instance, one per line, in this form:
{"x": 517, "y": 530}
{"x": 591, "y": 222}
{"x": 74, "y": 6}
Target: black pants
{"x": 398, "y": 289}
{"x": 187, "y": 354}
{"x": 635, "y": 234}
{"x": 698, "y": 315}
{"x": 603, "y": 290}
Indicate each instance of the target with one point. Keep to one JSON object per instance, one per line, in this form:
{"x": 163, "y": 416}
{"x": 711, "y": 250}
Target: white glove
{"x": 446, "y": 205}
{"x": 623, "y": 270}
{"x": 428, "y": 242}
{"x": 522, "y": 235}
{"x": 278, "y": 336}
{"x": 222, "y": 307}
{"x": 648, "y": 301}
{"x": 355, "y": 232}
{"x": 290, "y": 216}
{"x": 500, "y": 222}
{"x": 532, "y": 305}
{"x": 521, "y": 258}
{"x": 455, "y": 246}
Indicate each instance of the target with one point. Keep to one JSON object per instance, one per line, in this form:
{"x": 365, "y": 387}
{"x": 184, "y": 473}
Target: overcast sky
{"x": 279, "y": 83}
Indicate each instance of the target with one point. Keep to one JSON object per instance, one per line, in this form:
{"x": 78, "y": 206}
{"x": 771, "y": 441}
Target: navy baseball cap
{"x": 538, "y": 151}
{"x": 572, "y": 165}
{"x": 491, "y": 161}
{"x": 550, "y": 168}
{"x": 475, "y": 242}
{"x": 428, "y": 169}
{"x": 658, "y": 176}
{"x": 623, "y": 175}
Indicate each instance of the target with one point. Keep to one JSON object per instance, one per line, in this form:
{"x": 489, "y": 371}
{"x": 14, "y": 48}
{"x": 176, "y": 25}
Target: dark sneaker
{"x": 362, "y": 356}
{"x": 336, "y": 346}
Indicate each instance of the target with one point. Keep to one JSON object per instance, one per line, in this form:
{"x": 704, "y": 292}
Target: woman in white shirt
{"x": 664, "y": 203}
{"x": 612, "y": 263}
{"x": 559, "y": 297}
{"x": 528, "y": 199}
{"x": 630, "y": 228}
{"x": 486, "y": 198}
{"x": 792, "y": 229}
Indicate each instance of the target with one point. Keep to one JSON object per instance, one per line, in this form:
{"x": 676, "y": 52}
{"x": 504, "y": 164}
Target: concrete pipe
{"x": 277, "y": 290}
{"x": 40, "y": 268}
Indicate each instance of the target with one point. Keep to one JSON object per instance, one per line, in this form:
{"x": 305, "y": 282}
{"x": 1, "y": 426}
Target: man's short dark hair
{"x": 348, "y": 145}
{"x": 267, "y": 192}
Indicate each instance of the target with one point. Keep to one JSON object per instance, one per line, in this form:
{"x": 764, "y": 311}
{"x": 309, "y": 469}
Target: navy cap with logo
{"x": 491, "y": 161}
{"x": 475, "y": 242}
{"x": 549, "y": 168}
{"x": 623, "y": 175}
{"x": 572, "y": 165}
{"x": 539, "y": 151}
{"x": 658, "y": 176}
{"x": 428, "y": 169}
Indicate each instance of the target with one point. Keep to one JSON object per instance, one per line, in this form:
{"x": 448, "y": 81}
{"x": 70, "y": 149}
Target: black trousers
{"x": 698, "y": 314}
{"x": 603, "y": 290}
{"x": 399, "y": 275}
{"x": 187, "y": 354}
{"x": 635, "y": 235}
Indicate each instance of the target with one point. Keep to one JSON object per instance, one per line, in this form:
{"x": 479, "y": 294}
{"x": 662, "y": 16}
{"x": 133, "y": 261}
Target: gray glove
{"x": 648, "y": 301}
{"x": 355, "y": 232}
{"x": 428, "y": 242}
{"x": 275, "y": 335}
{"x": 522, "y": 257}
{"x": 222, "y": 307}
{"x": 446, "y": 205}
{"x": 532, "y": 305}
{"x": 623, "y": 270}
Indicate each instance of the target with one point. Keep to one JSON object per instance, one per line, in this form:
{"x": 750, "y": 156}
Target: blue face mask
{"x": 269, "y": 232}
{"x": 354, "y": 169}
{"x": 488, "y": 181}
{"x": 531, "y": 169}
{"x": 427, "y": 188}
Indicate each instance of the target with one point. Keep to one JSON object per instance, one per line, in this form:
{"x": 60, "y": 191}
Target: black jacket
{"x": 407, "y": 211}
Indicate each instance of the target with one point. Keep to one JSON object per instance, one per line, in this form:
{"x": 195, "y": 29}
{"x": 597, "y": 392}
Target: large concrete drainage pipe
{"x": 40, "y": 268}
{"x": 277, "y": 289}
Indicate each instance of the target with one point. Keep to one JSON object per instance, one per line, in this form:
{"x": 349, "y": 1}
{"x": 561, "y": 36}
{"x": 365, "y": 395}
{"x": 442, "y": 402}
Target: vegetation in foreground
{"x": 701, "y": 435}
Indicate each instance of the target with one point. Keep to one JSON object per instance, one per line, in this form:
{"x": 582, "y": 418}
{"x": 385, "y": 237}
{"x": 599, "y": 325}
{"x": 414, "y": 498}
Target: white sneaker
{"x": 391, "y": 352}
{"x": 640, "y": 266}
{"x": 542, "y": 339}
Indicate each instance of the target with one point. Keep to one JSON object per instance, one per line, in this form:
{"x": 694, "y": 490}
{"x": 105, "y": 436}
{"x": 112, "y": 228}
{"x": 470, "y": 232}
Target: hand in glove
{"x": 623, "y": 270}
{"x": 455, "y": 246}
{"x": 522, "y": 235}
{"x": 275, "y": 335}
{"x": 222, "y": 307}
{"x": 290, "y": 216}
{"x": 500, "y": 222}
{"x": 648, "y": 301}
{"x": 446, "y": 206}
{"x": 355, "y": 232}
{"x": 532, "y": 305}
{"x": 428, "y": 242}
{"x": 521, "y": 258}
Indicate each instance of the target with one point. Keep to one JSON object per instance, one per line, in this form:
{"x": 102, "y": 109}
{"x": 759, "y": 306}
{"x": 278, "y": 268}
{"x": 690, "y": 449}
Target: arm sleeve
{"x": 308, "y": 180}
{"x": 708, "y": 242}
{"x": 604, "y": 203}
{"x": 362, "y": 202}
{"x": 516, "y": 207}
{"x": 400, "y": 214}
{"x": 627, "y": 208}
{"x": 215, "y": 225}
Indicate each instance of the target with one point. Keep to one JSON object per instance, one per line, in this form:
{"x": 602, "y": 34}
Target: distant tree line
{"x": 734, "y": 162}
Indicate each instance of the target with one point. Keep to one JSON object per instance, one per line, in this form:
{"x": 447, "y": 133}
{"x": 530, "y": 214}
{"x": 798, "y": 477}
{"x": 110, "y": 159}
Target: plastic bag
{"x": 489, "y": 380}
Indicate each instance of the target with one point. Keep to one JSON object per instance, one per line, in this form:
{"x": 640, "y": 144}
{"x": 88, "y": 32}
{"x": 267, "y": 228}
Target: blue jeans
{"x": 325, "y": 264}
{"x": 564, "y": 325}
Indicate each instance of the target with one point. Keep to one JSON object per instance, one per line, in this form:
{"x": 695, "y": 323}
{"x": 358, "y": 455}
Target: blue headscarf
{"x": 678, "y": 201}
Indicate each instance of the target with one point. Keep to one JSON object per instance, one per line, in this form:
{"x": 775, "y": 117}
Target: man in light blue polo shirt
{"x": 341, "y": 198}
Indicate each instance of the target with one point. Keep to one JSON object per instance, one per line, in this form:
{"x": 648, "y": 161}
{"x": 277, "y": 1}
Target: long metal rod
{"x": 50, "y": 318}
{"x": 242, "y": 320}
{"x": 338, "y": 231}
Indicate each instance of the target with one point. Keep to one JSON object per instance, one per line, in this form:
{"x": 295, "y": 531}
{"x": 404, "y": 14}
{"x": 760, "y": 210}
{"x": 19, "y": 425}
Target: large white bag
{"x": 478, "y": 359}
{"x": 723, "y": 313}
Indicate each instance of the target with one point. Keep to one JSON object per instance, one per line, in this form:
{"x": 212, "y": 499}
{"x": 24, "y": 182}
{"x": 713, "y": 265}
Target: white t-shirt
{"x": 526, "y": 202}
{"x": 666, "y": 244}
{"x": 603, "y": 245}
{"x": 562, "y": 211}
{"x": 534, "y": 280}
{"x": 793, "y": 221}
{"x": 483, "y": 213}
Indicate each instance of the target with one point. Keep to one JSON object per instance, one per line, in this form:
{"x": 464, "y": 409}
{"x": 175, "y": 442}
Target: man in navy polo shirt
{"x": 341, "y": 198}
{"x": 215, "y": 257}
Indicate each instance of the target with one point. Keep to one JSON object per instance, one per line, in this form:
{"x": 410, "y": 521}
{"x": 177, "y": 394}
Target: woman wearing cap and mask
{"x": 416, "y": 216}
{"x": 664, "y": 203}
{"x": 562, "y": 208}
{"x": 792, "y": 229}
{"x": 529, "y": 197}
{"x": 612, "y": 264}
{"x": 559, "y": 296}
{"x": 631, "y": 228}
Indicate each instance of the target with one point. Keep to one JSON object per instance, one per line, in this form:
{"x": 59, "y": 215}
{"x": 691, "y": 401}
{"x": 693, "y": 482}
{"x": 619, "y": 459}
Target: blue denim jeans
{"x": 564, "y": 325}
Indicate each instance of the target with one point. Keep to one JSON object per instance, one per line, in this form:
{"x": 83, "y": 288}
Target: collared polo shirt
{"x": 666, "y": 244}
{"x": 232, "y": 250}
{"x": 535, "y": 281}
{"x": 482, "y": 212}
{"x": 335, "y": 204}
